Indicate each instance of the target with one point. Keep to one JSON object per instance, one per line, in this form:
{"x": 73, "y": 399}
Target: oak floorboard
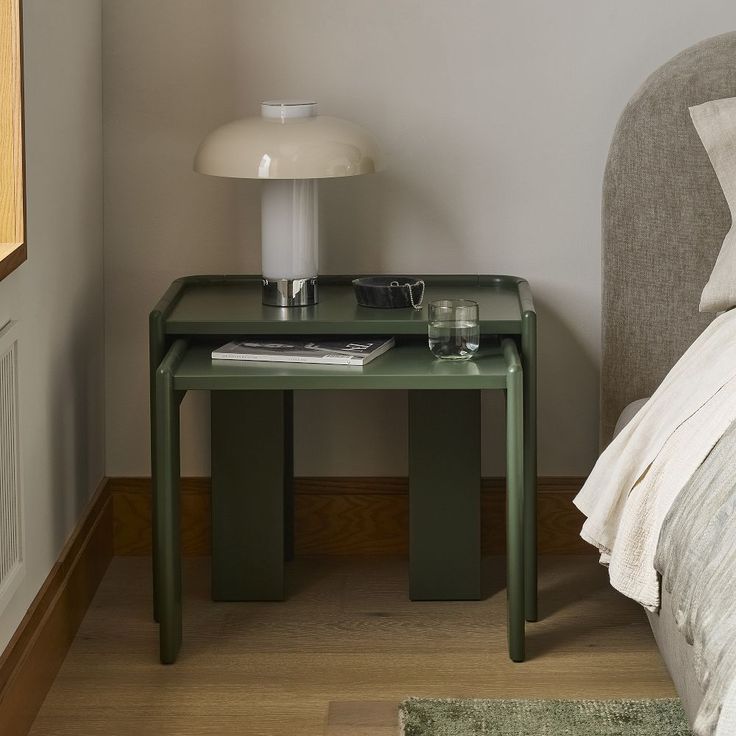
{"x": 362, "y": 718}
{"x": 346, "y": 633}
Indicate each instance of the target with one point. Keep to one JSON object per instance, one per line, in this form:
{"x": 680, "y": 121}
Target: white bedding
{"x": 696, "y": 557}
{"x": 662, "y": 497}
{"x": 638, "y": 477}
{"x": 727, "y": 722}
{"x": 677, "y": 654}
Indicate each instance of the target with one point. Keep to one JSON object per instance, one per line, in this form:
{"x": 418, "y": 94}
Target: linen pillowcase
{"x": 715, "y": 122}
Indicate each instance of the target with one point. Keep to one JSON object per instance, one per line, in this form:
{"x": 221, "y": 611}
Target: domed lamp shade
{"x": 291, "y": 147}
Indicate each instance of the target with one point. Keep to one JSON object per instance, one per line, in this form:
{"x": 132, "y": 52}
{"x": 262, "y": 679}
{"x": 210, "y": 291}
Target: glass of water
{"x": 454, "y": 330}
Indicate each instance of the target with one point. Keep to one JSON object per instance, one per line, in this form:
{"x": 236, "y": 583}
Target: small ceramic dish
{"x": 389, "y": 292}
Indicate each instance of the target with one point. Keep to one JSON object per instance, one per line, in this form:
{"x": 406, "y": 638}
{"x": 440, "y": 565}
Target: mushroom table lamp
{"x": 291, "y": 147}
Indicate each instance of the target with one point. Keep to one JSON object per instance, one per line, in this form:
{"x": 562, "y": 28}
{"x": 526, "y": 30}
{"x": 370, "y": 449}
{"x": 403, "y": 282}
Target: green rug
{"x": 430, "y": 717}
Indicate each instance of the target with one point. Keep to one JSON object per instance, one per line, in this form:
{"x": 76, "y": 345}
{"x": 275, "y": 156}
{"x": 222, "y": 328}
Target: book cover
{"x": 353, "y": 351}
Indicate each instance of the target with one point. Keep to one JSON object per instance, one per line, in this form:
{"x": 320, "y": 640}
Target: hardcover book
{"x": 355, "y": 351}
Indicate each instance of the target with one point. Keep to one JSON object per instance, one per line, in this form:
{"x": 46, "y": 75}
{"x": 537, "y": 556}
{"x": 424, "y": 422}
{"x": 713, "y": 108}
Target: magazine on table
{"x": 353, "y": 351}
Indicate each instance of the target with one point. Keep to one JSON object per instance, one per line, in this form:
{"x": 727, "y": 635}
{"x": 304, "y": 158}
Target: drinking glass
{"x": 454, "y": 330}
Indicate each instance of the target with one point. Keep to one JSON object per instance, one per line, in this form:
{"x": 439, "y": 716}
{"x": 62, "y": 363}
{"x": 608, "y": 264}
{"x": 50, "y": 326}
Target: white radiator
{"x": 11, "y": 527}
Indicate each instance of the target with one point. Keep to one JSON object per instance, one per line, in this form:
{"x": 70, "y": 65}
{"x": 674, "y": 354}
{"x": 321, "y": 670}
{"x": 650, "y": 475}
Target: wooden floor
{"x": 347, "y": 633}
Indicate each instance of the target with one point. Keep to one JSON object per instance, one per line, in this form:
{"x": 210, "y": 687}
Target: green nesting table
{"x": 252, "y": 442}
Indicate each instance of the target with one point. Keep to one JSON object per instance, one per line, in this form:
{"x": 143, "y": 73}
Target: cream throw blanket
{"x": 637, "y": 478}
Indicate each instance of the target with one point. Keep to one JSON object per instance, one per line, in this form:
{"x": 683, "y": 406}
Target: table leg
{"x": 251, "y": 444}
{"x": 167, "y": 510}
{"x": 444, "y": 495}
{"x": 515, "y": 577}
{"x": 288, "y": 475}
{"x": 156, "y": 352}
{"x": 529, "y": 357}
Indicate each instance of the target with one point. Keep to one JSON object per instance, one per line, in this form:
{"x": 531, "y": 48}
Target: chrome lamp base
{"x": 290, "y": 292}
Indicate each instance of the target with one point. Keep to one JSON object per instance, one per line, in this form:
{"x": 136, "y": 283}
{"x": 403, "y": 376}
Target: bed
{"x": 664, "y": 218}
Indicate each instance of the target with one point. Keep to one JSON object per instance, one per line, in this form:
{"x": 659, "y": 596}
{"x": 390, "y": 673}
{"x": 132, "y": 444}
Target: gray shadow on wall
{"x": 74, "y": 424}
{"x": 568, "y": 400}
{"x": 363, "y": 221}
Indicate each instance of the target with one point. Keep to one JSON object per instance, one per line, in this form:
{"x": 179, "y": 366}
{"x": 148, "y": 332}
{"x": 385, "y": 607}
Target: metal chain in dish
{"x": 416, "y": 305}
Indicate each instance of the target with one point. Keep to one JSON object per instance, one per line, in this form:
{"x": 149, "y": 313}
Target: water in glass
{"x": 454, "y": 331}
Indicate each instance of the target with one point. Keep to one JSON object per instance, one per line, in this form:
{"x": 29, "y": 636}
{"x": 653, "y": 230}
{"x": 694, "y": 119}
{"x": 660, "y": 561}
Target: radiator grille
{"x": 11, "y": 542}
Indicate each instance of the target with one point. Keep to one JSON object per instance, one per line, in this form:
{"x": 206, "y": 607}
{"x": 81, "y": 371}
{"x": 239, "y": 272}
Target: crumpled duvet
{"x": 696, "y": 557}
{"x": 639, "y": 476}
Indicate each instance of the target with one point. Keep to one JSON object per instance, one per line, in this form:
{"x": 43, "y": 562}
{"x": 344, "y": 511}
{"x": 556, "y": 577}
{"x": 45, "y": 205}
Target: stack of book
{"x": 357, "y": 351}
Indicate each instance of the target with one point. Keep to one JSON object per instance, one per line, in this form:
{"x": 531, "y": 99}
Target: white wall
{"x": 56, "y": 296}
{"x": 496, "y": 119}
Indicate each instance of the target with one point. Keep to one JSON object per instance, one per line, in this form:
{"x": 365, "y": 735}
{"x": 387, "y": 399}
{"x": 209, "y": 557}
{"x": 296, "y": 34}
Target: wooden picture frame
{"x": 12, "y": 153}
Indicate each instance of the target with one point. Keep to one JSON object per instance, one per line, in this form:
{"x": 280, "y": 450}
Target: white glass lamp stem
{"x": 289, "y": 229}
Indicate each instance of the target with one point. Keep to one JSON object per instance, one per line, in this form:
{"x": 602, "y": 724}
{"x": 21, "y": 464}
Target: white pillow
{"x": 716, "y": 125}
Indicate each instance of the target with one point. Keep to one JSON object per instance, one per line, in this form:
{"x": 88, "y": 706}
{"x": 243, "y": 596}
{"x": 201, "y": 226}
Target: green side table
{"x": 252, "y": 443}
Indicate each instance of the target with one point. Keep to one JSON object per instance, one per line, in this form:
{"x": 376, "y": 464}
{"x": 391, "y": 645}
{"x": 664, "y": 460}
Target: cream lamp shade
{"x": 292, "y": 147}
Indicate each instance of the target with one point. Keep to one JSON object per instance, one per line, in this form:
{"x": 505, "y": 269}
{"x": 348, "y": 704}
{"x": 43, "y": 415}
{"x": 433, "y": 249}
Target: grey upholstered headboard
{"x": 664, "y": 219}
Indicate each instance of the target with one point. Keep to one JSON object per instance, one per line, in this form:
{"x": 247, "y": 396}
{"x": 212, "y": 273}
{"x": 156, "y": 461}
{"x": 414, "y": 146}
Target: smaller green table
{"x": 252, "y": 436}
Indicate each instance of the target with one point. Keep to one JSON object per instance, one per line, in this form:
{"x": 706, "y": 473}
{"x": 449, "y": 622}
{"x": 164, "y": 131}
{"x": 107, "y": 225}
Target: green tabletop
{"x": 406, "y": 366}
{"x": 232, "y": 305}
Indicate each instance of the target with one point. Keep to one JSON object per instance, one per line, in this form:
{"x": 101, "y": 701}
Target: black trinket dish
{"x": 389, "y": 292}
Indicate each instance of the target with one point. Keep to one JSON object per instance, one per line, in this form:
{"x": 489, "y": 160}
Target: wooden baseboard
{"x": 347, "y": 516}
{"x": 33, "y": 657}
